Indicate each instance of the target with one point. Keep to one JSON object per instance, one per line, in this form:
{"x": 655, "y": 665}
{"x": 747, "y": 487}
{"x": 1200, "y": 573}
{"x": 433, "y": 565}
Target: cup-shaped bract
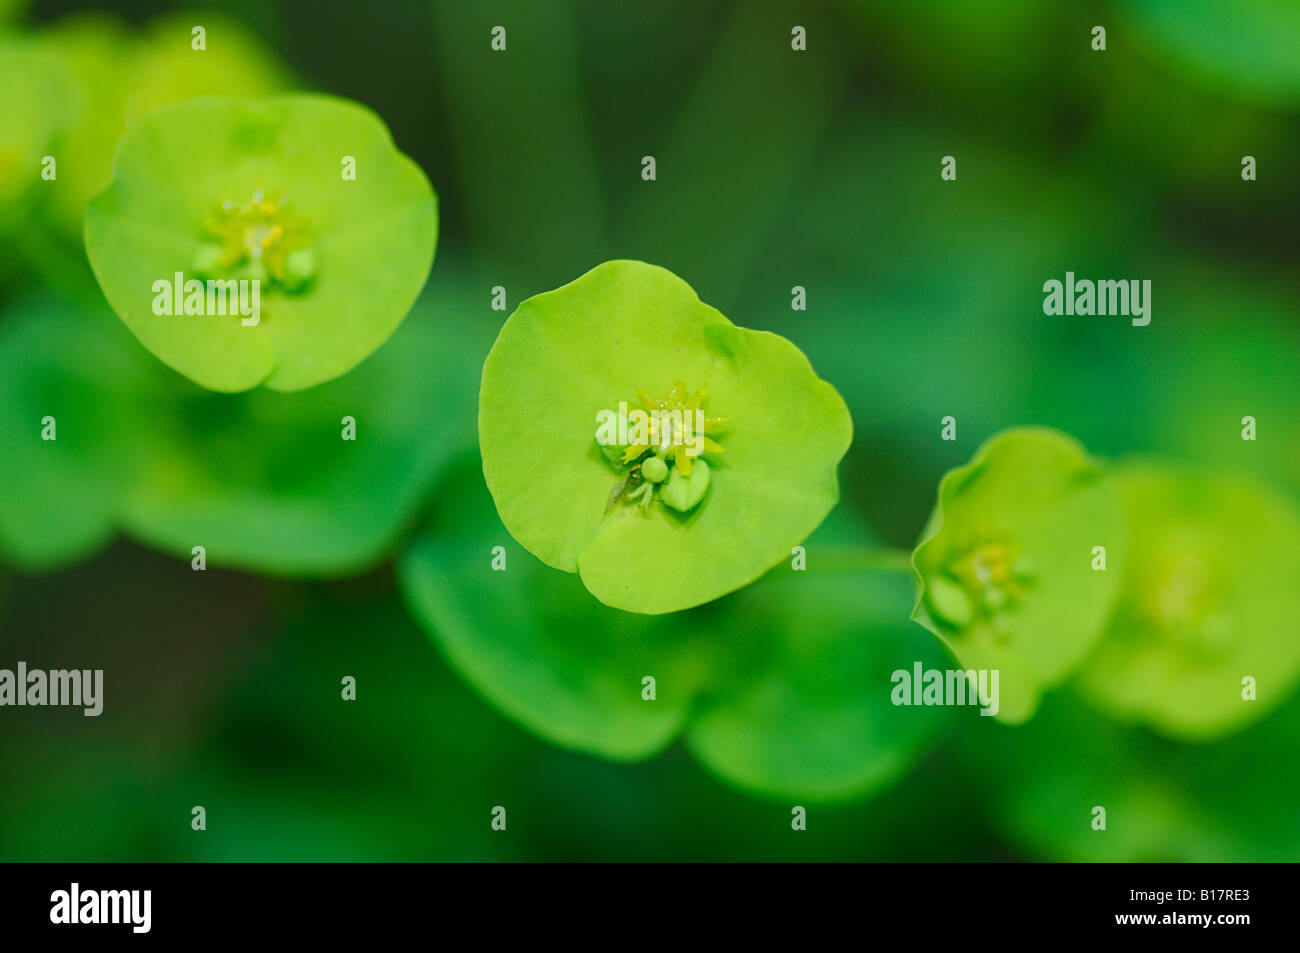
{"x": 1010, "y": 568}
{"x": 1203, "y": 637}
{"x": 629, "y": 333}
{"x": 117, "y": 75}
{"x": 304, "y": 195}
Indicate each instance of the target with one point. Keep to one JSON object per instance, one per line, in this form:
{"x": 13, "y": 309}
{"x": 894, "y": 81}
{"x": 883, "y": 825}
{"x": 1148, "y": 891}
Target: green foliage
{"x": 1005, "y": 566}
{"x": 263, "y": 481}
{"x": 1248, "y": 46}
{"x": 59, "y": 498}
{"x": 262, "y": 183}
{"x": 814, "y": 718}
{"x": 1208, "y": 598}
{"x": 28, "y": 122}
{"x": 1164, "y": 801}
{"x": 536, "y": 645}
{"x": 782, "y": 688}
{"x": 565, "y": 356}
{"x": 118, "y": 75}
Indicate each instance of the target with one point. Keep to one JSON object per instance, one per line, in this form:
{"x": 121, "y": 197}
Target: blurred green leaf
{"x": 94, "y": 52}
{"x": 263, "y": 481}
{"x": 1208, "y": 598}
{"x": 1248, "y": 46}
{"x": 28, "y": 121}
{"x": 117, "y": 75}
{"x": 59, "y": 498}
{"x": 1206, "y": 383}
{"x": 783, "y": 688}
{"x": 534, "y": 642}
{"x": 1223, "y": 802}
{"x": 816, "y": 719}
{"x": 236, "y": 63}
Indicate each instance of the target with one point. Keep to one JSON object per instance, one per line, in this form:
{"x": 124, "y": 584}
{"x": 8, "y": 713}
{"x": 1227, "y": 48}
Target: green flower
{"x": 569, "y": 365}
{"x": 212, "y": 189}
{"x": 1006, "y": 565}
{"x": 1209, "y": 597}
{"x": 662, "y": 460}
{"x": 118, "y": 75}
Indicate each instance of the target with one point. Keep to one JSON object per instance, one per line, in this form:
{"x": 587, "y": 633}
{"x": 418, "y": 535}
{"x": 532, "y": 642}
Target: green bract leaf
{"x": 816, "y": 718}
{"x": 235, "y": 64}
{"x": 262, "y": 481}
{"x": 551, "y": 657}
{"x": 1208, "y": 598}
{"x": 29, "y": 119}
{"x": 783, "y": 688}
{"x": 71, "y": 400}
{"x": 117, "y": 76}
{"x": 267, "y": 481}
{"x": 1005, "y": 567}
{"x": 629, "y": 333}
{"x": 215, "y": 189}
{"x": 93, "y": 51}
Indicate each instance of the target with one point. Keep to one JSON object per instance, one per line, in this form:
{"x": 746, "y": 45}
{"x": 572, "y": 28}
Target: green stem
{"x": 856, "y": 559}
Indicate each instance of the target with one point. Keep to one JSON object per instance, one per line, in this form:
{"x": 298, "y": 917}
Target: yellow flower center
{"x": 260, "y": 239}
{"x": 658, "y": 457}
{"x": 1180, "y": 607}
{"x": 675, "y": 429}
{"x": 984, "y": 581}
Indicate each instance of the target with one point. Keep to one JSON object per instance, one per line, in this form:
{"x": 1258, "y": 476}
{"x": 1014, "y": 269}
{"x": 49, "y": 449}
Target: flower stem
{"x": 856, "y": 559}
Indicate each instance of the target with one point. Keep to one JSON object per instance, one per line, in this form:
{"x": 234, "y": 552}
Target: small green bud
{"x": 654, "y": 470}
{"x": 684, "y": 493}
{"x": 299, "y": 269}
{"x": 947, "y": 601}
